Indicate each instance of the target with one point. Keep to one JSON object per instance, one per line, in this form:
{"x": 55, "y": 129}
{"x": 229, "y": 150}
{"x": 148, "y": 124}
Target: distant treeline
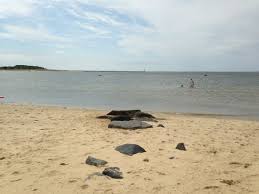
{"x": 22, "y": 67}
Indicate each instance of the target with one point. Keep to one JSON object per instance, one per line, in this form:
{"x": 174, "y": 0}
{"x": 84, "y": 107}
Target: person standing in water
{"x": 191, "y": 83}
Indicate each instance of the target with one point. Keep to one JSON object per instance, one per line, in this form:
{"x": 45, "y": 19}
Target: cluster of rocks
{"x": 125, "y": 119}
{"x": 129, "y": 119}
{"x": 114, "y": 172}
{"x": 127, "y": 149}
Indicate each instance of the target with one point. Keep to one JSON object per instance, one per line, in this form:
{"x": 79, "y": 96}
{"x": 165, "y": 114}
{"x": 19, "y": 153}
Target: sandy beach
{"x": 43, "y": 150}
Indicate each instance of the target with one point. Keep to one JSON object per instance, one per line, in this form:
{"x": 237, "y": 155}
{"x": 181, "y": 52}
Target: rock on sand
{"x": 130, "y": 149}
{"x": 129, "y": 125}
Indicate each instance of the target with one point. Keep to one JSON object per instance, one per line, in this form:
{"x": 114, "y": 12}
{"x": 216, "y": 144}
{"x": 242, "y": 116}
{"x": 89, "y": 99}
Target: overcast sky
{"x": 158, "y": 35}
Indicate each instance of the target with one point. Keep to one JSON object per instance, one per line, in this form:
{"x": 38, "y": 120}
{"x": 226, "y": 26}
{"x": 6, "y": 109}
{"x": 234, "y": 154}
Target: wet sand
{"x": 43, "y": 150}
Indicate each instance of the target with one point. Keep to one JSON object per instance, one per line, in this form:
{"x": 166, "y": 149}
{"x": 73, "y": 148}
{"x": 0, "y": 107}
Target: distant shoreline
{"x": 58, "y": 70}
{"x": 22, "y": 67}
{"x": 39, "y": 68}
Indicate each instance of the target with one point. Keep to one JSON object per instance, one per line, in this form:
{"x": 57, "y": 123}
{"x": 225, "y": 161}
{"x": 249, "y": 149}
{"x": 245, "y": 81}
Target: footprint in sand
{"x": 52, "y": 173}
{"x": 15, "y": 180}
{"x": 246, "y": 165}
{"x": 84, "y": 186}
{"x": 72, "y": 181}
{"x": 16, "y": 172}
{"x": 235, "y": 163}
{"x": 229, "y": 182}
{"x": 211, "y": 187}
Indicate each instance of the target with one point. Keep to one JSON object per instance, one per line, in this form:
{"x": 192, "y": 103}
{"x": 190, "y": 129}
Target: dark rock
{"x": 129, "y": 113}
{"x": 115, "y": 117}
{"x": 143, "y": 115}
{"x": 2, "y": 158}
{"x": 145, "y": 119}
{"x": 160, "y": 125}
{"x": 181, "y": 146}
{"x": 113, "y": 172}
{"x": 171, "y": 158}
{"x": 95, "y": 162}
{"x": 146, "y": 160}
{"x": 129, "y": 125}
{"x": 121, "y": 118}
{"x": 63, "y": 164}
{"x": 130, "y": 149}
{"x": 102, "y": 117}
{"x": 105, "y": 117}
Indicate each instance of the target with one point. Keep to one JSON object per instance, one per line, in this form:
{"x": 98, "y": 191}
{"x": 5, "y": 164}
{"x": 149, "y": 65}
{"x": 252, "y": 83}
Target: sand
{"x": 222, "y": 153}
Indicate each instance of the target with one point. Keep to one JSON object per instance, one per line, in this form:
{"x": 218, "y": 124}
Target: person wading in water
{"x": 191, "y": 83}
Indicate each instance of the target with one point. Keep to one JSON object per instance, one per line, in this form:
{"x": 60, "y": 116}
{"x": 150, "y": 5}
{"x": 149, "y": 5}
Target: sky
{"x": 155, "y": 35}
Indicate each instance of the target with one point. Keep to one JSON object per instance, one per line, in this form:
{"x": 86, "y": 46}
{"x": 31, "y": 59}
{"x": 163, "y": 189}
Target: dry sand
{"x": 222, "y": 153}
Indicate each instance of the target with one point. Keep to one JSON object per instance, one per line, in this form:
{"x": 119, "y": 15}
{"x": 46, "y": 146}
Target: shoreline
{"x": 190, "y": 114}
{"x": 137, "y": 71}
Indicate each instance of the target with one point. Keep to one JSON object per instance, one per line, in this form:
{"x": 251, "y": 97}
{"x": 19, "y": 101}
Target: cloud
{"x": 192, "y": 27}
{"x": 25, "y": 33}
{"x": 9, "y": 8}
{"x": 172, "y": 32}
{"x": 95, "y": 17}
{"x": 93, "y": 29}
{"x": 187, "y": 28}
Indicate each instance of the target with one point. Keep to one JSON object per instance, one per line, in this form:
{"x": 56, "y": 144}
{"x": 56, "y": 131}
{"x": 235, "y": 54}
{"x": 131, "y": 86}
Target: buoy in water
{"x": 1, "y": 96}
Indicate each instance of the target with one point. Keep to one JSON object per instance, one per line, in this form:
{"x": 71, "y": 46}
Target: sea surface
{"x": 216, "y": 93}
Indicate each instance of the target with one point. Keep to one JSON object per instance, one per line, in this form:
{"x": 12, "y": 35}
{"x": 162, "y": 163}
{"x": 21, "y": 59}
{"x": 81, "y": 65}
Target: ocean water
{"x": 217, "y": 93}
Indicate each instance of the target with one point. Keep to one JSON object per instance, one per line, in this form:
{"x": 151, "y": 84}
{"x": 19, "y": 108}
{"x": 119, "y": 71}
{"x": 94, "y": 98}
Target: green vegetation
{"x": 22, "y": 67}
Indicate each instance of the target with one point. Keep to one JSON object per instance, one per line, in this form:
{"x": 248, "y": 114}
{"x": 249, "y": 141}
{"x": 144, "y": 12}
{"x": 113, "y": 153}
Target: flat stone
{"x": 143, "y": 114}
{"x": 130, "y": 113}
{"x": 181, "y": 146}
{"x": 121, "y": 118}
{"x": 145, "y": 119}
{"x": 130, "y": 149}
{"x": 95, "y": 162}
{"x": 105, "y": 117}
{"x": 129, "y": 125}
{"x": 113, "y": 172}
